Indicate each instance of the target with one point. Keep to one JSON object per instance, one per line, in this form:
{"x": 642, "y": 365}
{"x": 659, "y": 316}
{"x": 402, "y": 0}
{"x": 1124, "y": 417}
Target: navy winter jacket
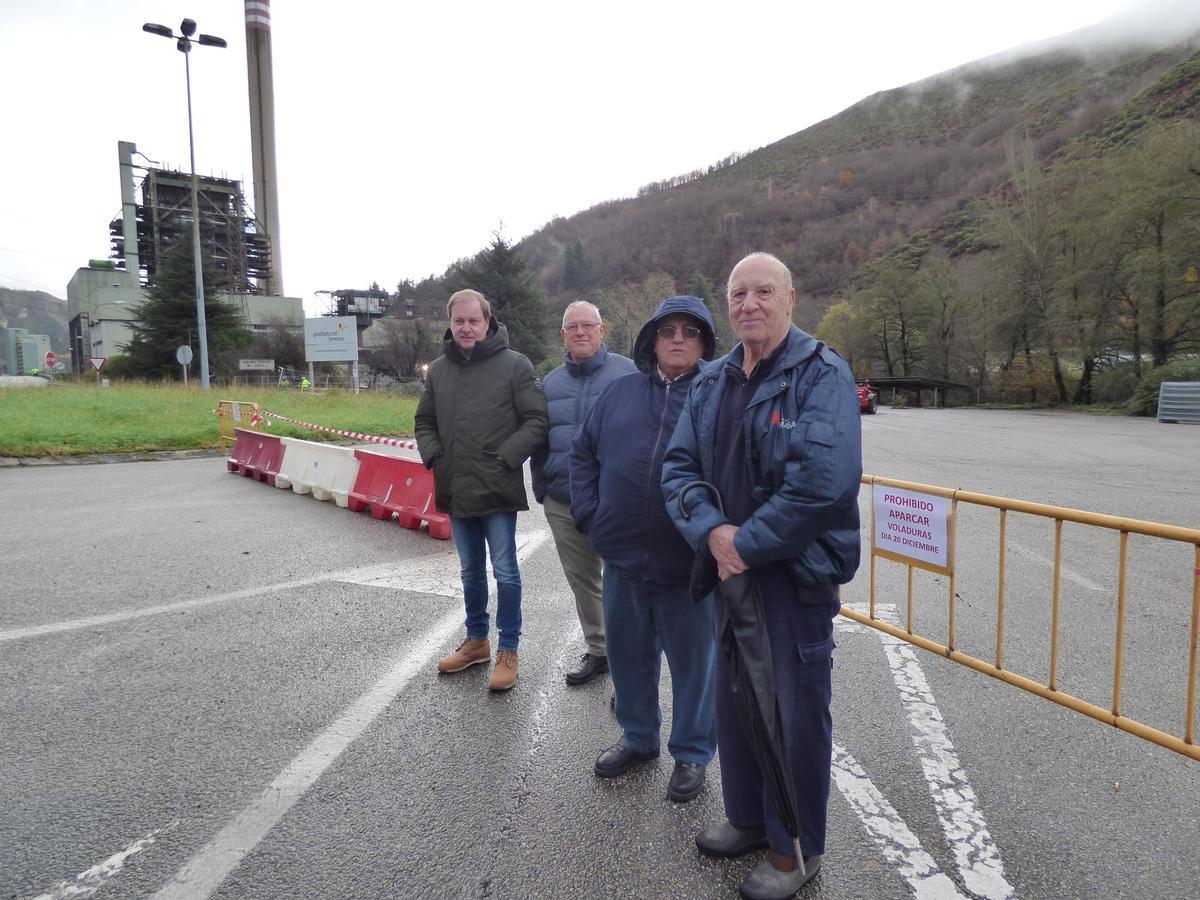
{"x": 571, "y": 391}
{"x": 803, "y": 453}
{"x": 617, "y": 457}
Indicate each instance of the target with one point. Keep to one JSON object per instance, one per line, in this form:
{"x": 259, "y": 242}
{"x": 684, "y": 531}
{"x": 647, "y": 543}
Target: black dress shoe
{"x": 589, "y": 667}
{"x": 686, "y": 781}
{"x": 727, "y": 840}
{"x": 620, "y": 758}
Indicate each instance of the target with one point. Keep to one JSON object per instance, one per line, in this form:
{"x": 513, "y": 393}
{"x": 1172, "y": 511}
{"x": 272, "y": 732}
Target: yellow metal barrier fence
{"x": 945, "y": 565}
{"x": 233, "y": 414}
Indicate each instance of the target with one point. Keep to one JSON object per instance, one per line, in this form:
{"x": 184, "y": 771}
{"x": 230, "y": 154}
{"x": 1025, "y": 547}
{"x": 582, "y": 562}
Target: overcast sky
{"x": 408, "y": 132}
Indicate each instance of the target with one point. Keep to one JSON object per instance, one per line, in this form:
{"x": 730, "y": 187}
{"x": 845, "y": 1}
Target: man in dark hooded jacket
{"x": 616, "y": 499}
{"x": 480, "y": 416}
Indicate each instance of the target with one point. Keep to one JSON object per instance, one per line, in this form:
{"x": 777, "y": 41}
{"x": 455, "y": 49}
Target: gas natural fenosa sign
{"x": 331, "y": 339}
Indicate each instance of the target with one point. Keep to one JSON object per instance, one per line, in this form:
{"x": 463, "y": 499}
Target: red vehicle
{"x": 868, "y": 399}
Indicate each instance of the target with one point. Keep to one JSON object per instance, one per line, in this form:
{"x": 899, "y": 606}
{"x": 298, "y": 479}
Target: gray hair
{"x": 468, "y": 294}
{"x": 785, "y": 275}
{"x": 592, "y": 306}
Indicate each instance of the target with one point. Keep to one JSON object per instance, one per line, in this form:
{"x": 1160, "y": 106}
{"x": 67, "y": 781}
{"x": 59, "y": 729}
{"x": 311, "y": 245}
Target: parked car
{"x": 868, "y": 399}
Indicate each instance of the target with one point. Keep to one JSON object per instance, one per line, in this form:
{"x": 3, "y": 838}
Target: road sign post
{"x": 183, "y": 355}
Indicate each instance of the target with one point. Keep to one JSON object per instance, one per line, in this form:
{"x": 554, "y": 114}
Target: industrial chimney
{"x": 262, "y": 130}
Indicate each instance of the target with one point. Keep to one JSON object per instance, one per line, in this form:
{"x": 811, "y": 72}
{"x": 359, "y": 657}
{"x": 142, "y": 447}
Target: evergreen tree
{"x": 575, "y": 267}
{"x": 167, "y": 318}
{"x": 701, "y": 286}
{"x": 499, "y": 273}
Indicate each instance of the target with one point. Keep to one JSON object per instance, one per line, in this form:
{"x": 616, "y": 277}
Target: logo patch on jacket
{"x": 778, "y": 421}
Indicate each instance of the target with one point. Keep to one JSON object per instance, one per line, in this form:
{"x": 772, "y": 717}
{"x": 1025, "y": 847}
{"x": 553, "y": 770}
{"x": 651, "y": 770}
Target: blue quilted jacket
{"x": 803, "y": 454}
{"x": 571, "y": 391}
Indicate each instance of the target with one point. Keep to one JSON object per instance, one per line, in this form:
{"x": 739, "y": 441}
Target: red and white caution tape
{"x": 358, "y": 436}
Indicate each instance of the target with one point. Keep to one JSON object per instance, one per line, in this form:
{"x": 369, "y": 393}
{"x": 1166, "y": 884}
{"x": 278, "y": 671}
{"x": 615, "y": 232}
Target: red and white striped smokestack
{"x": 262, "y": 130}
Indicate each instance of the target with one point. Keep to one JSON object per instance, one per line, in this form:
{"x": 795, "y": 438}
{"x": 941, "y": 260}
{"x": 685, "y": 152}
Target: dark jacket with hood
{"x": 571, "y": 392}
{"x": 478, "y": 420}
{"x": 803, "y": 454}
{"x": 617, "y": 457}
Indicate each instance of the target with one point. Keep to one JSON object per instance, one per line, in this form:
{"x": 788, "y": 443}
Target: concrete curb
{"x": 12, "y": 462}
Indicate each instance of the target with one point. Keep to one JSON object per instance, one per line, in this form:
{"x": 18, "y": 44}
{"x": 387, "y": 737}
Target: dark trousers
{"x": 800, "y": 625}
{"x": 642, "y": 623}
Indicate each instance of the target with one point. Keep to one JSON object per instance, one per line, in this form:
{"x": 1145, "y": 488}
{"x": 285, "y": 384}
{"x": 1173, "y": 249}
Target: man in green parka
{"x": 481, "y": 414}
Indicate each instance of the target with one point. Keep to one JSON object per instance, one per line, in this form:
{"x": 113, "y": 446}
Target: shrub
{"x": 1145, "y": 398}
{"x": 1115, "y": 385}
{"x": 117, "y": 366}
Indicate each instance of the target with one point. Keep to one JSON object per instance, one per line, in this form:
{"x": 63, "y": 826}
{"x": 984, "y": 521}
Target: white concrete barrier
{"x": 324, "y": 470}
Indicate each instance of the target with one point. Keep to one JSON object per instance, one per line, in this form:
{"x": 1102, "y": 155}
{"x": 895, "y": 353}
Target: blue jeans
{"x": 474, "y": 538}
{"x": 800, "y": 626}
{"x": 642, "y": 621}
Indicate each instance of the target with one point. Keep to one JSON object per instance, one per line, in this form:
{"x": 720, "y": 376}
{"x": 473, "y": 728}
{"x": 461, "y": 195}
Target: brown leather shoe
{"x": 504, "y": 673}
{"x": 470, "y": 652}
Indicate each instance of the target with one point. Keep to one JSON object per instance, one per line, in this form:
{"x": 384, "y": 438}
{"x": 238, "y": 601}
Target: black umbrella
{"x": 747, "y": 648}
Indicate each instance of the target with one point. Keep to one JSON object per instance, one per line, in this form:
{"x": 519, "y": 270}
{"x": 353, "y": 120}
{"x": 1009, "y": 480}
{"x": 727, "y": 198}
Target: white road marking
{"x": 86, "y": 883}
{"x": 204, "y": 872}
{"x": 424, "y": 577}
{"x": 899, "y": 845}
{"x": 16, "y": 634}
{"x": 1067, "y": 573}
{"x": 429, "y": 574}
{"x": 967, "y": 834}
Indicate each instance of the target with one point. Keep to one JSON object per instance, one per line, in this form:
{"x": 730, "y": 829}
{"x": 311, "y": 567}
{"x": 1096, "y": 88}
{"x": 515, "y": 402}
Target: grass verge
{"x": 80, "y": 419}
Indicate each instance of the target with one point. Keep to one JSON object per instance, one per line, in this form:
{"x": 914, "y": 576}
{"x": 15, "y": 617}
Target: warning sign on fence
{"x": 912, "y": 527}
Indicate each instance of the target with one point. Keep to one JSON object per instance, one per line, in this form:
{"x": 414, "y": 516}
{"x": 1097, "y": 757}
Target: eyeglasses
{"x": 667, "y": 332}
{"x": 581, "y": 326}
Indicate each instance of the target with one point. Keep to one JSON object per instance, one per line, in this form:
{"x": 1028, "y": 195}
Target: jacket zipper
{"x": 662, "y": 421}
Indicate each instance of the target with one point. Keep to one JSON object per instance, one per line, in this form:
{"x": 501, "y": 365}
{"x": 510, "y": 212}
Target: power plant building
{"x": 104, "y": 297}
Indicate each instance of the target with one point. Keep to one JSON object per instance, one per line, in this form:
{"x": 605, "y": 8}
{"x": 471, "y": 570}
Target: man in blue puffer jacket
{"x": 571, "y": 391}
{"x": 774, "y": 425}
{"x": 616, "y": 497}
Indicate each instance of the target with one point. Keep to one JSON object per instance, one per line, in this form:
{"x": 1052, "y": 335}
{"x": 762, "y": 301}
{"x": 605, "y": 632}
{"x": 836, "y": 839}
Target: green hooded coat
{"x": 479, "y": 418}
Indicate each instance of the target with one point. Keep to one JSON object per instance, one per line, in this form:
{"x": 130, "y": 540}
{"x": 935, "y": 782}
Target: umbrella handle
{"x": 699, "y": 484}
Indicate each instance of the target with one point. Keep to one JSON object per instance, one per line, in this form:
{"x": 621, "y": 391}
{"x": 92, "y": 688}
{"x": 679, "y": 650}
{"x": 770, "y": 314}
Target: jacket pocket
{"x": 820, "y": 446}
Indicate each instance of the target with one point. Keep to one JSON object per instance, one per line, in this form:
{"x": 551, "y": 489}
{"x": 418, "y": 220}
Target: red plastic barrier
{"x": 393, "y": 485}
{"x": 256, "y": 455}
{"x": 266, "y": 460}
{"x": 244, "y": 446}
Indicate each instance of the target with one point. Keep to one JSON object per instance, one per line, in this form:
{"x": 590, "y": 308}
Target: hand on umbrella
{"x": 720, "y": 544}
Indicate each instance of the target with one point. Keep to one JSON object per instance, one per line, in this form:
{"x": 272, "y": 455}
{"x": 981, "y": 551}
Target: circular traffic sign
{"x": 183, "y": 355}
{"x": 51, "y": 359}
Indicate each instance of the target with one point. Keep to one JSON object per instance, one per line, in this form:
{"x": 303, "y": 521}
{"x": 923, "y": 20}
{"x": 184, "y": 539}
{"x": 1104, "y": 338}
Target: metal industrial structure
{"x": 229, "y": 234}
{"x": 365, "y": 305}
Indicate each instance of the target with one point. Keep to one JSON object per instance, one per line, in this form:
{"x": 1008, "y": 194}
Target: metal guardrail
{"x": 1185, "y": 745}
{"x": 1179, "y": 401}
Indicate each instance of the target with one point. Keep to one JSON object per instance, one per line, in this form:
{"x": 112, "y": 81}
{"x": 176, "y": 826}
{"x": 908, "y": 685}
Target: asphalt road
{"x": 209, "y": 687}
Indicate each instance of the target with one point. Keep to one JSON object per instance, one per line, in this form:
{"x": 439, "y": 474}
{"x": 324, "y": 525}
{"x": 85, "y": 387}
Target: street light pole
{"x": 183, "y": 41}
{"x": 201, "y": 324}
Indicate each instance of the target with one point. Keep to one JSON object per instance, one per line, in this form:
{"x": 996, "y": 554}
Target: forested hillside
{"x": 1027, "y": 225}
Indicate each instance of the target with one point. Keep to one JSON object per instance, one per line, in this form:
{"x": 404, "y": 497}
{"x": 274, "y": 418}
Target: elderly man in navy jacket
{"x": 571, "y": 391}
{"x": 775, "y": 427}
{"x": 616, "y": 471}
